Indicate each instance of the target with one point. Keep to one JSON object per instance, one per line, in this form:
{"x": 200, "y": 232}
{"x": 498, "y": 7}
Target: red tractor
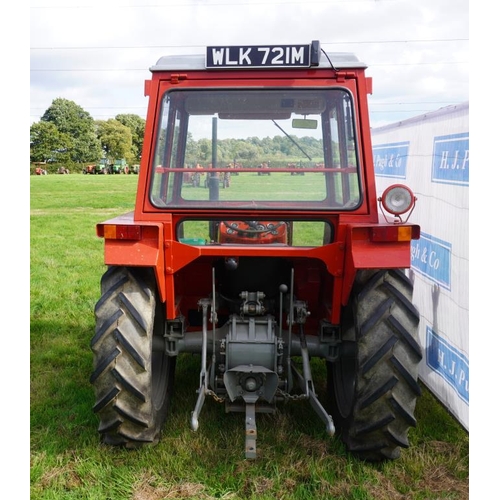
{"x": 89, "y": 169}
{"x": 40, "y": 171}
{"x": 259, "y": 279}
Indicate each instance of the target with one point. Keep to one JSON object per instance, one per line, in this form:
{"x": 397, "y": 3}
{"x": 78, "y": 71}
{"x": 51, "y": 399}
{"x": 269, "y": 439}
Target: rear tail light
{"x": 395, "y": 233}
{"x": 122, "y": 232}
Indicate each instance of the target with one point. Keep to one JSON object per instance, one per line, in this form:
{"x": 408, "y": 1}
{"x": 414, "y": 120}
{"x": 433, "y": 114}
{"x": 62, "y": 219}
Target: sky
{"x": 97, "y": 53}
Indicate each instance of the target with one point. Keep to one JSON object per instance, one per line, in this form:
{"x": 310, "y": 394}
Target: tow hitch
{"x": 256, "y": 362}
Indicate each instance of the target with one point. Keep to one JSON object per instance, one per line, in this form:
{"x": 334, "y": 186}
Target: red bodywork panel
{"x": 172, "y": 259}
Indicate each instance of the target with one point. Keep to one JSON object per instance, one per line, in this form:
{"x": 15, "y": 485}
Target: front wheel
{"x": 133, "y": 381}
{"x": 373, "y": 387}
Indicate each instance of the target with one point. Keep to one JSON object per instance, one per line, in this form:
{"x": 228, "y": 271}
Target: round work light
{"x": 397, "y": 199}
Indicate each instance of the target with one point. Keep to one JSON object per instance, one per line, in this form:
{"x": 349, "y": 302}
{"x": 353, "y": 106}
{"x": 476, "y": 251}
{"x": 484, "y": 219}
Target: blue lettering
{"x": 451, "y": 159}
{"x": 431, "y": 257}
{"x": 390, "y": 160}
{"x": 448, "y": 362}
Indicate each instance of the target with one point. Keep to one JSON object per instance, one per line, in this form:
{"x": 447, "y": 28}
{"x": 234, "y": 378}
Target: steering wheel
{"x": 253, "y": 227}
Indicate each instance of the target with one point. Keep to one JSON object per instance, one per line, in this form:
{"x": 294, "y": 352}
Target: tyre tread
{"x": 385, "y": 383}
{"x": 132, "y": 386}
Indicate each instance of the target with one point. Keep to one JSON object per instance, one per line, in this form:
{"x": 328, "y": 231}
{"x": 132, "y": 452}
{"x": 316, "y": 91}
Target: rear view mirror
{"x": 304, "y": 123}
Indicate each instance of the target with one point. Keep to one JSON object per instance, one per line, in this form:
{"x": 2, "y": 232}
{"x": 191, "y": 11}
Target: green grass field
{"x": 296, "y": 459}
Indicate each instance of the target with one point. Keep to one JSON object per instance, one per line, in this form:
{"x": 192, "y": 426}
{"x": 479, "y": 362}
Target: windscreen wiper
{"x": 291, "y": 138}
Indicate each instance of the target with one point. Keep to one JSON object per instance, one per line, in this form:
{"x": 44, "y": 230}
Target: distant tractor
{"x": 89, "y": 169}
{"x": 294, "y": 165}
{"x": 39, "y": 168}
{"x": 119, "y": 167}
{"x": 132, "y": 169}
{"x": 264, "y": 166}
{"x": 102, "y": 167}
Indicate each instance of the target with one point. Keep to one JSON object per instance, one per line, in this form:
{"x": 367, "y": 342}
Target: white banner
{"x": 430, "y": 154}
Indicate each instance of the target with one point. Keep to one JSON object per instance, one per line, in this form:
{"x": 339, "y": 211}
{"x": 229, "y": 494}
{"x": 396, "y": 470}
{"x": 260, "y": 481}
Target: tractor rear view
{"x": 119, "y": 166}
{"x": 258, "y": 279}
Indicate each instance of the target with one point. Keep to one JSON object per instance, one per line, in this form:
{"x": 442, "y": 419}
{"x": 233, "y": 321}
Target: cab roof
{"x": 196, "y": 62}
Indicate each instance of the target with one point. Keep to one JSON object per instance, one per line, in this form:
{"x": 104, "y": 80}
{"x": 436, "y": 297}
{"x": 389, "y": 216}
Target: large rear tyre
{"x": 132, "y": 381}
{"x": 373, "y": 387}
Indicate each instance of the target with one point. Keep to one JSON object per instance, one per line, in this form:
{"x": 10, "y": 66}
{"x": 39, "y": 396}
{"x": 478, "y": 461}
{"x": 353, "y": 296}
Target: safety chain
{"x": 285, "y": 395}
{"x": 219, "y": 399}
{"x": 291, "y": 397}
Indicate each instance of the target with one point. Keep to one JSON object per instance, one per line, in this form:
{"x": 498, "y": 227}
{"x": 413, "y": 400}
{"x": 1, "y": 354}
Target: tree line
{"x": 68, "y": 135}
{"x": 278, "y": 150}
